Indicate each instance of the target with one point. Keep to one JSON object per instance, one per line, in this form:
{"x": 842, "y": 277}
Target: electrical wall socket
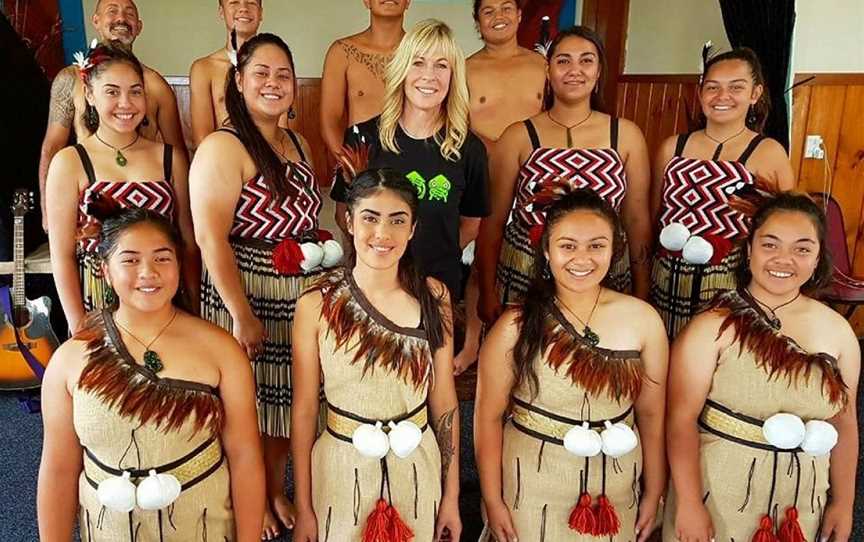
{"x": 814, "y": 147}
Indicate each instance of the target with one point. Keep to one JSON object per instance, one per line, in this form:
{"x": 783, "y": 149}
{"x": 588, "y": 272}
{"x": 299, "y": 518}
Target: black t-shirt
{"x": 447, "y": 189}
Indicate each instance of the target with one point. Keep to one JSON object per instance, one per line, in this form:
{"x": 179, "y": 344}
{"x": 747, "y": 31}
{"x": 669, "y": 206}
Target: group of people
{"x": 588, "y": 262}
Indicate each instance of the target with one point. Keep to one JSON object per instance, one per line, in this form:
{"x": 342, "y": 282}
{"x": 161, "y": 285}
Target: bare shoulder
{"x": 206, "y": 65}
{"x": 629, "y": 130}
{"x": 68, "y": 361}
{"x": 705, "y": 328}
{"x": 211, "y": 337}
{"x": 532, "y": 57}
{"x": 507, "y": 327}
{"x": 219, "y": 142}
{"x": 515, "y": 134}
{"x": 667, "y": 148}
{"x": 67, "y": 75}
{"x": 67, "y": 160}
{"x": 829, "y": 321}
{"x": 155, "y": 83}
{"x": 640, "y": 312}
{"x": 311, "y": 300}
{"x": 770, "y": 151}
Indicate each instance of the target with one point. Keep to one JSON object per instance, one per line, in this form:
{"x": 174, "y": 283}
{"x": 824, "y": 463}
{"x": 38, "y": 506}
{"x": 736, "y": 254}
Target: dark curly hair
{"x": 367, "y": 184}
{"x": 541, "y": 293}
{"x": 587, "y": 34}
{"x": 799, "y": 203}
{"x": 101, "y": 57}
{"x": 758, "y": 114}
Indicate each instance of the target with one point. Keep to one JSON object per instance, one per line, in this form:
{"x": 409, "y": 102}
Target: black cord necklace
{"x": 773, "y": 319}
{"x": 151, "y": 359}
{"x": 568, "y": 128}
{"x": 119, "y": 158}
{"x": 590, "y": 335}
{"x": 721, "y": 143}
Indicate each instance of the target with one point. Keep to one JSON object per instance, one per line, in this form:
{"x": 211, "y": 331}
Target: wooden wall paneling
{"x": 643, "y": 105}
{"x": 824, "y": 118}
{"x": 307, "y": 107}
{"x": 609, "y": 19}
{"x": 849, "y": 181}
{"x": 800, "y": 110}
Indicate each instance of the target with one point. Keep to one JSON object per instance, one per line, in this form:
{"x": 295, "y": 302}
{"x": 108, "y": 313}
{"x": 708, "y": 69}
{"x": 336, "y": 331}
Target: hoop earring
{"x": 291, "y": 113}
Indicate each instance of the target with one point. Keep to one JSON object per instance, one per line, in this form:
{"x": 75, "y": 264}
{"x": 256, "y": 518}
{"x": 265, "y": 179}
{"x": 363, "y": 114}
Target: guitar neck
{"x": 18, "y": 297}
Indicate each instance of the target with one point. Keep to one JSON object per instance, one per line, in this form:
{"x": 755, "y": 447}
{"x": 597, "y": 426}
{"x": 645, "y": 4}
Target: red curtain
{"x": 533, "y": 12}
{"x": 39, "y": 25}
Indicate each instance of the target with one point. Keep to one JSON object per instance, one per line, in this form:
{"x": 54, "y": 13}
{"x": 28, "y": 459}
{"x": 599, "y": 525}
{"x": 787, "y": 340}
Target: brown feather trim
{"x": 778, "y": 355}
{"x": 595, "y": 369}
{"x": 353, "y": 327}
{"x": 134, "y": 393}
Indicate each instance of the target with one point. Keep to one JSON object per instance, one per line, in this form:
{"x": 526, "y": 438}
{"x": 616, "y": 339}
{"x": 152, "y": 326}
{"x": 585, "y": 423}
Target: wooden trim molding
{"x": 674, "y": 78}
{"x": 846, "y": 79}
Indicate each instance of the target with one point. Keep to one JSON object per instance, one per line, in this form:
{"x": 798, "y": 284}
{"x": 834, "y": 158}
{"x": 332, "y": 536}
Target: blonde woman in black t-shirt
{"x": 423, "y": 133}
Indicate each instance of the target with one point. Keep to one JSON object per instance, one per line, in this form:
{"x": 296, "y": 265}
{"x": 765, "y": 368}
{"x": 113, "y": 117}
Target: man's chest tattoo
{"x": 376, "y": 63}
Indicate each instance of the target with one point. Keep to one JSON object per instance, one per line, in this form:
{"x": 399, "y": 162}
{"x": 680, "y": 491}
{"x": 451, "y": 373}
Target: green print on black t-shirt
{"x": 439, "y": 186}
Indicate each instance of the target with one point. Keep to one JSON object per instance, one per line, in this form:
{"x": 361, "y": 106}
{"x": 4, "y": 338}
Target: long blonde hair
{"x": 426, "y": 36}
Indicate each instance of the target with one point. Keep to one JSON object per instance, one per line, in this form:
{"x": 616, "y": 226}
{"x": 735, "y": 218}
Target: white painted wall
{"x": 176, "y": 32}
{"x": 829, "y": 36}
{"x": 666, "y": 36}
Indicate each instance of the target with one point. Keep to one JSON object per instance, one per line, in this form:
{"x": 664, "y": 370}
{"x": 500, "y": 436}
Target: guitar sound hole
{"x": 22, "y": 316}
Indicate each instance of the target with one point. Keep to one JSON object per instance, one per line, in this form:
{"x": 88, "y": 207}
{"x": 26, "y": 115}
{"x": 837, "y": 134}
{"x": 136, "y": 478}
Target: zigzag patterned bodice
{"x": 601, "y": 170}
{"x": 695, "y": 194}
{"x": 261, "y": 217}
{"x": 157, "y": 196}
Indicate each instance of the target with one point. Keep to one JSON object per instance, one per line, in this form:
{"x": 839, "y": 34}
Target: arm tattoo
{"x": 62, "y": 108}
{"x": 444, "y": 435}
{"x": 376, "y": 63}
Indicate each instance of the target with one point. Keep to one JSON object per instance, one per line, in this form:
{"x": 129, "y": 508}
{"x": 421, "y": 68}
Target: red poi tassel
{"x": 385, "y": 525}
{"x": 607, "y": 519}
{"x": 399, "y": 532}
{"x": 765, "y": 533}
{"x": 582, "y": 518}
{"x": 790, "y": 530}
{"x": 377, "y": 523}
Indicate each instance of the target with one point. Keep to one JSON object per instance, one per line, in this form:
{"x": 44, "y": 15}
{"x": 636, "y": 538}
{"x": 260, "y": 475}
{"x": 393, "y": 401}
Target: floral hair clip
{"x": 88, "y": 60}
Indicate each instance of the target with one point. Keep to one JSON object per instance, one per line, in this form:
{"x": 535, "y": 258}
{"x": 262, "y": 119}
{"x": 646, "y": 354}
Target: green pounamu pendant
{"x": 121, "y": 161}
{"x": 152, "y": 361}
{"x": 590, "y": 337}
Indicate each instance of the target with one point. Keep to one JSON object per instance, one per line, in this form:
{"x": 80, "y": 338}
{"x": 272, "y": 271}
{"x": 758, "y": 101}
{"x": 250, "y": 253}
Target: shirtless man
{"x": 112, "y": 20}
{"x": 494, "y": 107}
{"x": 207, "y": 76}
{"x": 352, "y": 86}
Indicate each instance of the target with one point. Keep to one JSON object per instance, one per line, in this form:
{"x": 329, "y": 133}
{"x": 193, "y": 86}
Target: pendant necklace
{"x": 588, "y": 334}
{"x": 720, "y": 143}
{"x": 151, "y": 359}
{"x": 773, "y": 319}
{"x": 119, "y": 158}
{"x": 568, "y": 128}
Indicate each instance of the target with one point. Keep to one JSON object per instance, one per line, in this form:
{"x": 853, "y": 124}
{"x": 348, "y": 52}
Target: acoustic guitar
{"x": 30, "y": 318}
